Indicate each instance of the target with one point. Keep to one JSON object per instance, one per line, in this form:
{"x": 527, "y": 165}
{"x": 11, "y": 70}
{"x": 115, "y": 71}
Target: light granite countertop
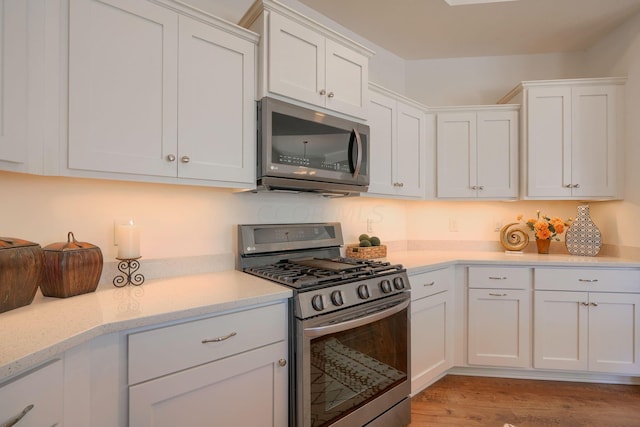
{"x": 47, "y": 327}
{"x": 35, "y": 333}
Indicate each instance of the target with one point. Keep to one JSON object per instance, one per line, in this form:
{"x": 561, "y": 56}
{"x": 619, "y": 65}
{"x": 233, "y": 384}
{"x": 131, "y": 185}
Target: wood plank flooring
{"x": 481, "y": 401}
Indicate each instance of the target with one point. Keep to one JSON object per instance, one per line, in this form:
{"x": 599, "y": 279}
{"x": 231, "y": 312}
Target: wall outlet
{"x": 497, "y": 225}
{"x": 453, "y": 225}
{"x": 369, "y": 225}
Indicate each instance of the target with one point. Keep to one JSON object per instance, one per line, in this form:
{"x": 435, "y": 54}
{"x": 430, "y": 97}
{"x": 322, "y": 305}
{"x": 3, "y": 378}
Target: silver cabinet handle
{"x": 171, "y": 158}
{"x": 595, "y": 304}
{"x": 497, "y": 278}
{"x": 497, "y": 295}
{"x": 224, "y": 338}
{"x": 588, "y": 280}
{"x": 323, "y": 92}
{"x": 282, "y": 362}
{"x": 330, "y": 95}
{"x": 185, "y": 159}
{"x": 585, "y": 304}
{"x": 567, "y": 185}
{"x": 576, "y": 186}
{"x": 429, "y": 284}
{"x": 16, "y": 419}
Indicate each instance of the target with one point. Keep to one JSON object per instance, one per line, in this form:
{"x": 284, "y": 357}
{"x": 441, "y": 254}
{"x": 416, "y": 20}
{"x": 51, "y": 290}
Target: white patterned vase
{"x": 583, "y": 236}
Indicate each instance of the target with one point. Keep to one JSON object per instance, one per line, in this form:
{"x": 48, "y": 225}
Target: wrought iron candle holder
{"x": 128, "y": 267}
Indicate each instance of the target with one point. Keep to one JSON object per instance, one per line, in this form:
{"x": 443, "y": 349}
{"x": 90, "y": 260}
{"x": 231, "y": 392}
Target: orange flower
{"x": 545, "y": 227}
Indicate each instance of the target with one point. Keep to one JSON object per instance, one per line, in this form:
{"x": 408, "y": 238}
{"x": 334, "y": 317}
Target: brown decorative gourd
{"x": 20, "y": 272}
{"x": 70, "y": 268}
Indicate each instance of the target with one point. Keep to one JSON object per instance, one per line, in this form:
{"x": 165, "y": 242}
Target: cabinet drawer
{"x": 499, "y": 277}
{"x": 430, "y": 283}
{"x": 41, "y": 391}
{"x": 169, "y": 349}
{"x": 587, "y": 279}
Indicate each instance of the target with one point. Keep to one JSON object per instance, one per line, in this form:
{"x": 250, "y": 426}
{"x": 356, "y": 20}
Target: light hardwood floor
{"x": 480, "y": 401}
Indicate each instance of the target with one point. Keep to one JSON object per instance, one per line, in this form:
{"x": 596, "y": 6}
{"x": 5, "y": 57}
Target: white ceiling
{"x": 425, "y": 29}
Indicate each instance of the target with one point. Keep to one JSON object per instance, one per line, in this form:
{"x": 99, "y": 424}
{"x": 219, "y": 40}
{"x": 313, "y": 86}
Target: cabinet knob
{"x": 481, "y": 187}
{"x": 330, "y": 94}
{"x": 595, "y": 304}
{"x": 323, "y": 92}
{"x": 282, "y": 362}
{"x": 185, "y": 159}
{"x": 171, "y": 158}
{"x": 576, "y": 186}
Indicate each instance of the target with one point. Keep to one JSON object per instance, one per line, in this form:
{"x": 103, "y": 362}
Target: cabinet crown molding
{"x": 561, "y": 82}
{"x": 257, "y": 9}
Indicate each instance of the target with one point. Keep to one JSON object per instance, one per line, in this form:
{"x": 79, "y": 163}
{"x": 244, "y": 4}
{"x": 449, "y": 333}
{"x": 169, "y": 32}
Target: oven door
{"x": 352, "y": 366}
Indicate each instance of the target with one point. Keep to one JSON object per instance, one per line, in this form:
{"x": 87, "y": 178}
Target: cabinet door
{"x": 346, "y": 81}
{"x": 614, "y": 333}
{"x": 497, "y": 151}
{"x": 249, "y": 389}
{"x": 383, "y": 128}
{"x": 296, "y": 61}
{"x": 216, "y": 109}
{"x": 39, "y": 395}
{"x": 123, "y": 64}
{"x": 13, "y": 84}
{"x": 593, "y": 142}
{"x": 549, "y": 142}
{"x": 410, "y": 149}
{"x": 431, "y": 339}
{"x": 560, "y": 330}
{"x": 456, "y": 155}
{"x": 498, "y": 327}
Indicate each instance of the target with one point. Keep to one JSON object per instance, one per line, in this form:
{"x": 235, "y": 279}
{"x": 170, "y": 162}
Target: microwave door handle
{"x": 358, "y": 165}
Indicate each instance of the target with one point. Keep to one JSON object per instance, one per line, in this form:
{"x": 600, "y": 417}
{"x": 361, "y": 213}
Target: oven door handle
{"x": 360, "y": 321}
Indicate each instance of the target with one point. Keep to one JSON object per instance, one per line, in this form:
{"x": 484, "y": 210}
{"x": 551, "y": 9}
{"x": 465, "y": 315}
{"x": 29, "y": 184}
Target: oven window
{"x": 350, "y": 368}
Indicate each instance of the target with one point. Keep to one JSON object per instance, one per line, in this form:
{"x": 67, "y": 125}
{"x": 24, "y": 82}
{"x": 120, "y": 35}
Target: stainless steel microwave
{"x": 308, "y": 151}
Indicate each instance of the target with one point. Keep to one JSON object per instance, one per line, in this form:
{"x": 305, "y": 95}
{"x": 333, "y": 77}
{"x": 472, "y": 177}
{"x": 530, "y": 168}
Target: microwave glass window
{"x": 306, "y": 144}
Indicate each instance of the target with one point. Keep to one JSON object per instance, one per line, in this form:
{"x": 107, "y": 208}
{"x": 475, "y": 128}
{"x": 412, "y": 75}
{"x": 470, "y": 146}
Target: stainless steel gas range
{"x": 349, "y": 331}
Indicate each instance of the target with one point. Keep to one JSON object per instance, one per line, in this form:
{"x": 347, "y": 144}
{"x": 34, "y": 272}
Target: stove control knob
{"x": 317, "y": 303}
{"x": 363, "y": 292}
{"x": 385, "y": 286}
{"x": 336, "y": 298}
{"x": 398, "y": 283}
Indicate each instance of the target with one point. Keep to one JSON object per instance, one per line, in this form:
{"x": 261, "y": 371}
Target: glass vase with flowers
{"x": 545, "y": 229}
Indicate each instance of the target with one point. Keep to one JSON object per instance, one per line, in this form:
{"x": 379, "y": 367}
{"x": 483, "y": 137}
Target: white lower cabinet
{"x": 596, "y": 329}
{"x": 499, "y": 317}
{"x": 431, "y": 326}
{"x": 35, "y": 398}
{"x": 230, "y": 369}
{"x": 248, "y": 389}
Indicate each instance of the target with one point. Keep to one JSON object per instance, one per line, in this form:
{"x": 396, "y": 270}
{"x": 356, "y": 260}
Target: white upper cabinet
{"x": 307, "y": 62}
{"x": 477, "y": 153}
{"x": 570, "y": 138}
{"x": 183, "y": 110}
{"x": 13, "y": 83}
{"x": 398, "y": 145}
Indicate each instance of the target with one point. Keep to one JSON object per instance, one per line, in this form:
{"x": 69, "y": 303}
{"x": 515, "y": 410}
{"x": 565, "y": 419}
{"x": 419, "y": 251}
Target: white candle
{"x": 128, "y": 236}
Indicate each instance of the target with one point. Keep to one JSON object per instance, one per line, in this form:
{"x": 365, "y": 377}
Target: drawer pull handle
{"x": 585, "y": 304}
{"x": 429, "y": 284}
{"x": 497, "y": 278}
{"x": 588, "y": 280}
{"x": 595, "y": 304}
{"x": 224, "y": 338}
{"x": 497, "y": 295}
{"x": 16, "y": 419}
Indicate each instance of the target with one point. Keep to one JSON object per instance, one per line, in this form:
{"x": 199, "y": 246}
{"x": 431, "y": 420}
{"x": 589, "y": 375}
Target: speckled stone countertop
{"x": 35, "y": 333}
{"x": 415, "y": 261}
